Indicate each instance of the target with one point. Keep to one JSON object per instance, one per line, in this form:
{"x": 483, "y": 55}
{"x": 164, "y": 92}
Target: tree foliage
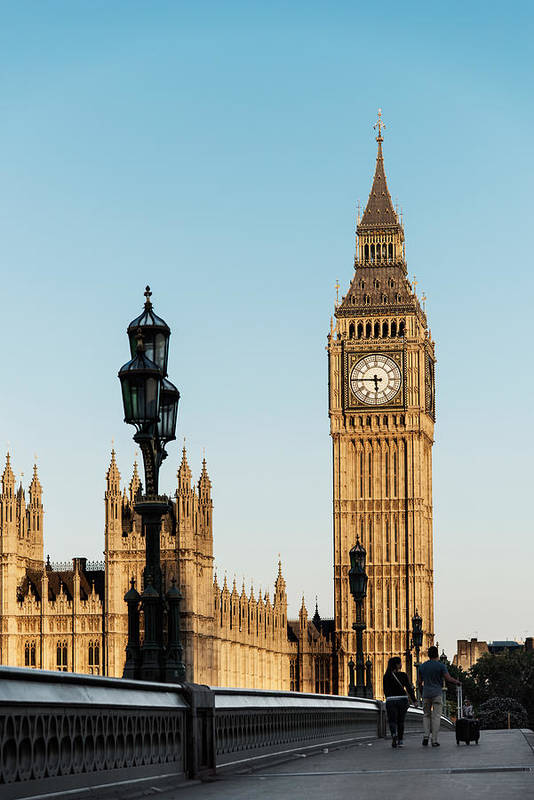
{"x": 507, "y": 675}
{"x": 501, "y": 712}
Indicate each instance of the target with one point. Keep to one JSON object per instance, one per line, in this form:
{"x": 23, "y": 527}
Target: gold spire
{"x": 380, "y": 125}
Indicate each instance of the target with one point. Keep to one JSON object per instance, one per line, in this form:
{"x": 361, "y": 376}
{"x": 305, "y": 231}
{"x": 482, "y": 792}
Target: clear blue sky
{"x": 217, "y": 152}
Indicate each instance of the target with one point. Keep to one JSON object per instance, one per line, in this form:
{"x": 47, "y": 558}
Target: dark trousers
{"x": 396, "y": 708}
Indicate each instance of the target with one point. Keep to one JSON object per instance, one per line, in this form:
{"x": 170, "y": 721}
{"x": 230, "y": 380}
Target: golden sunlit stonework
{"x": 73, "y": 616}
{"x": 382, "y": 411}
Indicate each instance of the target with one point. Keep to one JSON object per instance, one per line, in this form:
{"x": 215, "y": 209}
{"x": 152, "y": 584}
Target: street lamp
{"x": 417, "y": 642}
{"x": 358, "y": 587}
{"x": 151, "y": 405}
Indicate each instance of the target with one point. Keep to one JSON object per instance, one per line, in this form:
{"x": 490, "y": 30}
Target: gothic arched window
{"x": 61, "y": 657}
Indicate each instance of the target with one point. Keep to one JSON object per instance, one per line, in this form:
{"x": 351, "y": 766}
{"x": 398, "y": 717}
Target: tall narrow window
{"x": 361, "y": 474}
{"x": 390, "y": 252}
{"x": 388, "y": 607}
{"x": 61, "y": 657}
{"x": 387, "y": 473}
{"x": 370, "y": 541}
{"x": 397, "y": 605}
{"x": 371, "y": 607}
{"x": 396, "y": 539}
{"x": 94, "y": 658}
{"x": 387, "y": 540}
{"x": 361, "y": 531}
{"x": 394, "y": 473}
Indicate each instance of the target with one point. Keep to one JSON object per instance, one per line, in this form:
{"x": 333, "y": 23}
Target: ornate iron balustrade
{"x": 61, "y": 731}
{"x": 59, "y": 725}
{"x": 252, "y": 723}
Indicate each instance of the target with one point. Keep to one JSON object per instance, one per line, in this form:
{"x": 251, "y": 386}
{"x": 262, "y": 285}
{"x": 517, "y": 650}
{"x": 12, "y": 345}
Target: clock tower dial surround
{"x": 382, "y": 413}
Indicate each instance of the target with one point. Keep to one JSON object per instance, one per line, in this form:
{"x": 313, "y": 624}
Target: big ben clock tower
{"x": 382, "y": 412}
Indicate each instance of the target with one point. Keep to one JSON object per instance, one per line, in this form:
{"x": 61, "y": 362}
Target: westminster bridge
{"x": 78, "y": 736}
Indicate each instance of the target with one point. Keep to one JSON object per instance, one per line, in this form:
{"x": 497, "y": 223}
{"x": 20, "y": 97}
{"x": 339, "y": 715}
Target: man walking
{"x": 430, "y": 679}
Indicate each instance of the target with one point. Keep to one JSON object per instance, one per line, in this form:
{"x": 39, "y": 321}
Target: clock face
{"x": 375, "y": 379}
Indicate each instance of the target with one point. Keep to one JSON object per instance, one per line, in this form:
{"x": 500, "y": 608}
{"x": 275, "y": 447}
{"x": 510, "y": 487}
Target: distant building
{"x": 504, "y": 646}
{"x": 468, "y": 651}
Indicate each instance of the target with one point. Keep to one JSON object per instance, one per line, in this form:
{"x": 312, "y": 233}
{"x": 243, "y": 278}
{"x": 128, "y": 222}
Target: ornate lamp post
{"x": 417, "y": 642}
{"x": 358, "y": 587}
{"x": 151, "y": 405}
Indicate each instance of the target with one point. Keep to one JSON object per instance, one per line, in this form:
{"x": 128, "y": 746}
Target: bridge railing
{"x": 250, "y": 723}
{"x": 61, "y": 731}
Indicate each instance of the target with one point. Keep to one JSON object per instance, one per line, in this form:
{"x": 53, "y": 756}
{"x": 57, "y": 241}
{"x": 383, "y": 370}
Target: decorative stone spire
{"x": 280, "y": 584}
{"x": 204, "y": 483}
{"x": 8, "y": 478}
{"x": 113, "y": 476}
{"x": 303, "y": 615}
{"x": 135, "y": 483}
{"x": 316, "y": 617}
{"x": 36, "y": 490}
{"x": 184, "y": 472}
{"x": 379, "y": 211}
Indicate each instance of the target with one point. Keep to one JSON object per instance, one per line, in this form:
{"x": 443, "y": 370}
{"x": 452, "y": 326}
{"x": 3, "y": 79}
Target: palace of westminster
{"x": 73, "y": 617}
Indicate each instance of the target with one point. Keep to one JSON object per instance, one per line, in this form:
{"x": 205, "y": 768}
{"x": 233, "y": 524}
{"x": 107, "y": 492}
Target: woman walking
{"x": 398, "y": 692}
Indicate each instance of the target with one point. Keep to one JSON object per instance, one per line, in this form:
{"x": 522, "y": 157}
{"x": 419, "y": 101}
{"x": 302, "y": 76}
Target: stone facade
{"x": 72, "y": 616}
{"x": 468, "y": 651}
{"x": 382, "y": 412}
{"x": 381, "y": 390}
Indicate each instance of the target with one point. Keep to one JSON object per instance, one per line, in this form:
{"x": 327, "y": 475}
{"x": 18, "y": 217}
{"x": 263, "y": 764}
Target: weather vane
{"x": 380, "y": 125}
{"x": 336, "y": 287}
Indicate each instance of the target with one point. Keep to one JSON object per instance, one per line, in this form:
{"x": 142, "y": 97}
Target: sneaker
{"x": 400, "y": 743}
{"x": 435, "y": 744}
{"x": 393, "y": 741}
{"x": 425, "y": 742}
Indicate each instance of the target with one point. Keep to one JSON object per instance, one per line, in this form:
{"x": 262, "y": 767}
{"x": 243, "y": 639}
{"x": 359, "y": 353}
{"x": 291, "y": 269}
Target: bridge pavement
{"x": 501, "y": 767}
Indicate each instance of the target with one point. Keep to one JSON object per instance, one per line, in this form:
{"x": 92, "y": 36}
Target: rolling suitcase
{"x": 467, "y": 730}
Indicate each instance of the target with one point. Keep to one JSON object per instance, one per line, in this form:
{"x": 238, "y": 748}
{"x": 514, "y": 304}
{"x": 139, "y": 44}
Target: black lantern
{"x": 168, "y": 411}
{"x": 151, "y": 404}
{"x": 417, "y": 630}
{"x": 357, "y": 574}
{"x": 155, "y": 332}
{"x": 140, "y": 382}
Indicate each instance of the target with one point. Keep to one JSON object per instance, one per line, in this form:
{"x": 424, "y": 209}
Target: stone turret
{"x": 35, "y": 516}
